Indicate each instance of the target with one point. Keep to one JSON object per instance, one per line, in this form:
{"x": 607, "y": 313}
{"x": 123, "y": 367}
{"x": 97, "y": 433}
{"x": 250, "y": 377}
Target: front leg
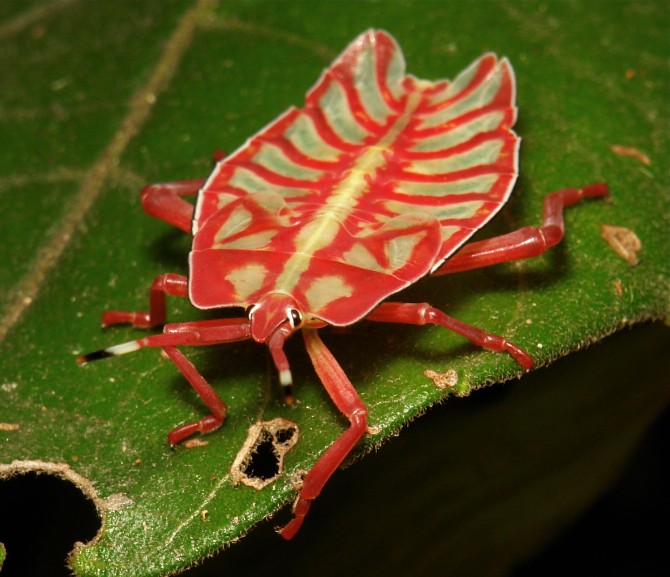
{"x": 217, "y": 407}
{"x": 196, "y": 333}
{"x": 423, "y": 313}
{"x": 346, "y": 399}
{"x": 167, "y": 284}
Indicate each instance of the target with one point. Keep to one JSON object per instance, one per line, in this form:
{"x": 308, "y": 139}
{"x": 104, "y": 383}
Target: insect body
{"x": 332, "y": 208}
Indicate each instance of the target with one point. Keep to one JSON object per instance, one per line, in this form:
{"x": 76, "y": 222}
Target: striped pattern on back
{"x": 378, "y": 179}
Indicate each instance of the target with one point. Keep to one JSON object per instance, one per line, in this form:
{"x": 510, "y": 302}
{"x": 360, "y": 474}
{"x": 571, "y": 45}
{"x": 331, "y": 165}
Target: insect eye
{"x": 295, "y": 317}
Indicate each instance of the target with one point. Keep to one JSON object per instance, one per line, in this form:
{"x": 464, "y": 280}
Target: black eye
{"x": 295, "y": 317}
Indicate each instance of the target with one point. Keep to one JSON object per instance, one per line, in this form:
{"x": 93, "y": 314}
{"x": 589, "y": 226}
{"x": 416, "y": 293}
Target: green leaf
{"x": 95, "y": 103}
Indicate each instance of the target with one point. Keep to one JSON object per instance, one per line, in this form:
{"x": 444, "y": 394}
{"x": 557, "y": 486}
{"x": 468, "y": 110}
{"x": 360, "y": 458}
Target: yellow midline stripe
{"x": 343, "y": 199}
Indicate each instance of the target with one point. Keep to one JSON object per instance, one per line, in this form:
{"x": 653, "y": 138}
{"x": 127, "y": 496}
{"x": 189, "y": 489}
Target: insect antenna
{"x": 112, "y": 351}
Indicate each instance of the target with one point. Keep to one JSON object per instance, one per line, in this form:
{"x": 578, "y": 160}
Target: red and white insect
{"x": 332, "y": 208}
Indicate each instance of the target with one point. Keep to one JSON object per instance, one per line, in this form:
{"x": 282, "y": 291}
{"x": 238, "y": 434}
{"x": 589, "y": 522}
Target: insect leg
{"x": 346, "y": 399}
{"x": 526, "y": 242}
{"x": 200, "y": 333}
{"x": 195, "y": 333}
{"x": 423, "y": 313}
{"x": 164, "y": 201}
{"x": 203, "y": 388}
{"x": 209, "y": 332}
{"x": 170, "y": 284}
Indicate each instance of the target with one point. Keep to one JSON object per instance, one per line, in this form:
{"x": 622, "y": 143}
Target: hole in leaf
{"x": 263, "y": 462}
{"x": 261, "y": 458}
{"x": 41, "y": 518}
{"x": 285, "y": 435}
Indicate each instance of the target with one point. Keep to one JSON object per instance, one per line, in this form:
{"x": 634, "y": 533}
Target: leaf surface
{"x": 97, "y": 103}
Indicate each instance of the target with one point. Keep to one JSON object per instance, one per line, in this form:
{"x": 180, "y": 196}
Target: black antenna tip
{"x": 94, "y": 356}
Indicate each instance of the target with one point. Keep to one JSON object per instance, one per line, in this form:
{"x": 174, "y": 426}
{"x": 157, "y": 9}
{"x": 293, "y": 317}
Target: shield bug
{"x": 378, "y": 181}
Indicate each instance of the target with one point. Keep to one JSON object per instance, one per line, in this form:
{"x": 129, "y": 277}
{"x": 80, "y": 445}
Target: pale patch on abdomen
{"x": 247, "y": 280}
{"x": 325, "y": 290}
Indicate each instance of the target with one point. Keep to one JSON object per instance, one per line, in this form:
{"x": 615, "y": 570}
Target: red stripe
{"x": 278, "y": 179}
{"x": 297, "y": 157}
{"x": 275, "y": 134}
{"x": 437, "y": 202}
{"x": 507, "y": 138}
{"x": 358, "y": 112}
{"x": 486, "y": 65}
{"x": 327, "y": 134}
{"x": 436, "y": 88}
{"x": 476, "y": 221}
{"x": 385, "y": 49}
{"x": 499, "y": 167}
{"x": 506, "y": 122}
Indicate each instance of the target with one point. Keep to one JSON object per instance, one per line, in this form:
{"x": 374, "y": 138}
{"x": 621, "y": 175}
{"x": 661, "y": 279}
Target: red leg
{"x": 191, "y": 334}
{"x": 526, "y": 242}
{"x": 423, "y": 313}
{"x": 195, "y": 333}
{"x": 346, "y": 399}
{"x": 202, "y": 387}
{"x": 171, "y": 284}
{"x": 164, "y": 201}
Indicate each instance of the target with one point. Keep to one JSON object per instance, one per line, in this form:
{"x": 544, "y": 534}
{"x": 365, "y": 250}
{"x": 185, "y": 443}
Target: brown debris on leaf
{"x": 9, "y": 426}
{"x": 623, "y": 240}
{"x": 195, "y": 442}
{"x": 447, "y": 379}
{"x": 632, "y": 152}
